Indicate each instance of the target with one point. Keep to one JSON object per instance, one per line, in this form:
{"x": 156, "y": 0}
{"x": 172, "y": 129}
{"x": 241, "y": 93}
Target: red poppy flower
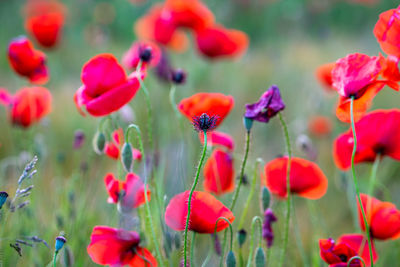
{"x": 191, "y": 14}
{"x": 216, "y": 138}
{"x": 216, "y": 42}
{"x": 213, "y": 104}
{"x": 157, "y": 26}
{"x": 133, "y": 194}
{"x": 106, "y": 88}
{"x": 384, "y": 139}
{"x": 324, "y": 75}
{"x": 45, "y": 20}
{"x": 383, "y": 218}
{"x": 320, "y": 125}
{"x": 118, "y": 247}
{"x": 306, "y": 178}
{"x": 28, "y": 105}
{"x": 132, "y": 57}
{"x": 112, "y": 148}
{"x": 219, "y": 173}
{"x": 357, "y": 75}
{"x": 26, "y": 61}
{"x": 387, "y": 31}
{"x": 206, "y": 210}
{"x": 337, "y": 254}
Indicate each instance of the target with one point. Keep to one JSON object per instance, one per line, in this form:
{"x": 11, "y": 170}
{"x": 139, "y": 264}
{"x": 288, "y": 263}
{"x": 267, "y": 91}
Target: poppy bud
{"x": 3, "y": 198}
{"x": 127, "y": 157}
{"x": 178, "y": 76}
{"x": 145, "y": 54}
{"x": 230, "y": 259}
{"x": 99, "y": 142}
{"x": 265, "y": 197}
{"x": 241, "y": 237}
{"x": 248, "y": 123}
{"x": 60, "y": 241}
{"x": 217, "y": 244}
{"x": 260, "y": 257}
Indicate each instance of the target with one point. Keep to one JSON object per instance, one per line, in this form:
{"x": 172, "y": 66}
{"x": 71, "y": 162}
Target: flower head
{"x": 337, "y": 254}
{"x": 267, "y": 232}
{"x": 213, "y": 104}
{"x": 219, "y": 173}
{"x": 306, "y": 178}
{"x": 26, "y": 61}
{"x": 206, "y": 210}
{"x": 29, "y": 105}
{"x": 387, "y": 31}
{"x": 60, "y": 241}
{"x": 384, "y": 139}
{"x": 178, "y": 76}
{"x": 383, "y": 218}
{"x": 130, "y": 193}
{"x": 111, "y": 246}
{"x": 106, "y": 88}
{"x": 113, "y": 148}
{"x": 204, "y": 122}
{"x": 45, "y": 20}
{"x": 146, "y": 52}
{"x": 324, "y": 75}
{"x": 267, "y": 106}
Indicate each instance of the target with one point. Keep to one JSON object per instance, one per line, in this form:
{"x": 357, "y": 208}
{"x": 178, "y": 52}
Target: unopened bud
{"x": 248, "y": 123}
{"x": 60, "y": 241}
{"x": 3, "y": 198}
{"x": 241, "y": 237}
{"x": 265, "y": 197}
{"x": 230, "y": 259}
{"x": 260, "y": 258}
{"x": 127, "y": 157}
{"x": 99, "y": 141}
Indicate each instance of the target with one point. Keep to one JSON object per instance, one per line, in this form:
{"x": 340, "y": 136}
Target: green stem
{"x": 230, "y": 228}
{"x": 55, "y": 258}
{"x": 252, "y": 189}
{"x": 354, "y": 258}
{"x": 253, "y": 226}
{"x": 374, "y": 170}
{"x": 237, "y": 189}
{"x": 196, "y": 179}
{"x": 148, "y": 103}
{"x": 147, "y": 206}
{"x": 289, "y": 150}
{"x": 353, "y": 128}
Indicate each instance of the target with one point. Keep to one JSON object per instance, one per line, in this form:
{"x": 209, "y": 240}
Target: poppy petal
{"x": 219, "y": 173}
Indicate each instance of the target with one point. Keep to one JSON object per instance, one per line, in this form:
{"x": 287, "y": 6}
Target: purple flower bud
{"x": 267, "y": 232}
{"x": 217, "y": 244}
{"x": 79, "y": 139}
{"x": 163, "y": 69}
{"x": 267, "y": 106}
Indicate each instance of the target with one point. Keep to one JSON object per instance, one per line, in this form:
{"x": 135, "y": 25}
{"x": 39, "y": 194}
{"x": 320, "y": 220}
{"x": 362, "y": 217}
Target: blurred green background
{"x": 289, "y": 39}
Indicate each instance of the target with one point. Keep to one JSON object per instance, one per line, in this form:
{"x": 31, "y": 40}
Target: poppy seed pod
{"x": 60, "y": 241}
{"x": 230, "y": 259}
{"x": 248, "y": 123}
{"x": 99, "y": 142}
{"x": 127, "y": 157}
{"x": 241, "y": 237}
{"x": 265, "y": 197}
{"x": 260, "y": 257}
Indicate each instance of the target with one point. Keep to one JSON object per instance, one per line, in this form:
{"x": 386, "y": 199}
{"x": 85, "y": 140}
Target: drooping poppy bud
{"x": 260, "y": 257}
{"x": 127, "y": 157}
{"x": 99, "y": 142}
{"x": 231, "y": 259}
{"x": 241, "y": 237}
{"x": 265, "y": 197}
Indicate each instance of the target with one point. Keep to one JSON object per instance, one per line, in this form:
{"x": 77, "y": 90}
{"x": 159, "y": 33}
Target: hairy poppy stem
{"x": 174, "y": 107}
{"x": 251, "y": 194}
{"x": 55, "y": 258}
{"x": 253, "y": 226}
{"x": 196, "y": 179}
{"x": 148, "y": 211}
{"x": 353, "y": 128}
{"x": 148, "y": 103}
{"x": 289, "y": 150}
{"x": 374, "y": 170}
{"x": 237, "y": 189}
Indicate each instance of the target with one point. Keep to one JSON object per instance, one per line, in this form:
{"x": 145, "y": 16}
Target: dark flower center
{"x": 343, "y": 257}
{"x": 178, "y": 76}
{"x": 145, "y": 54}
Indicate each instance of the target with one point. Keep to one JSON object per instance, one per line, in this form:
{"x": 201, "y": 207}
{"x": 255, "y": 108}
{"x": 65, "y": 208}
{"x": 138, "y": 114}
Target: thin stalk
{"x": 148, "y": 103}
{"x": 289, "y": 150}
{"x": 248, "y": 201}
{"x": 147, "y": 206}
{"x": 196, "y": 179}
{"x": 354, "y": 258}
{"x": 55, "y": 258}
{"x": 237, "y": 189}
{"x": 372, "y": 179}
{"x": 253, "y": 226}
{"x": 174, "y": 107}
{"x": 353, "y": 128}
